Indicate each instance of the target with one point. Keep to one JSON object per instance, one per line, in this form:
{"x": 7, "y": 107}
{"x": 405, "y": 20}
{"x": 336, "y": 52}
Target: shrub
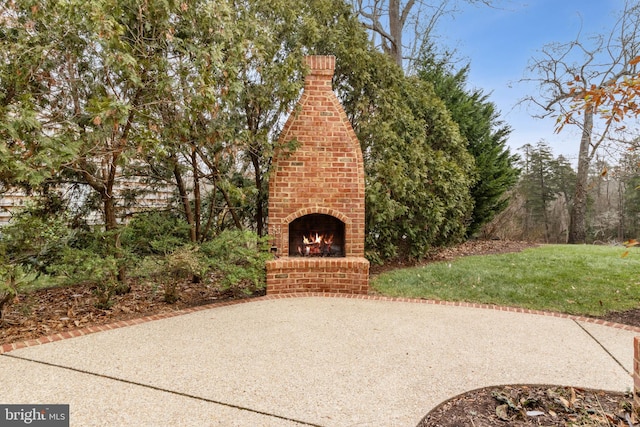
{"x": 93, "y": 257}
{"x": 34, "y": 238}
{"x": 31, "y": 242}
{"x": 91, "y": 268}
{"x": 238, "y": 259}
{"x": 154, "y": 233}
{"x": 184, "y": 263}
{"x": 12, "y": 277}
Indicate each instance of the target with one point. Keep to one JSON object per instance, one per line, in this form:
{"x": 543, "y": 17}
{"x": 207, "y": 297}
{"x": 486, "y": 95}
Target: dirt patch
{"x": 629, "y": 317}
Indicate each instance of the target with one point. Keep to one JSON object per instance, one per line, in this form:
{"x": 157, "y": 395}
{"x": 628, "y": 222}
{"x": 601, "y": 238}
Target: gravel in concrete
{"x": 309, "y": 361}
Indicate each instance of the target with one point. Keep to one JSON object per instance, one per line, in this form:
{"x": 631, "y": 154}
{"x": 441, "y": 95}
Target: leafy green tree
{"x": 564, "y": 177}
{"x": 86, "y": 81}
{"x": 189, "y": 140}
{"x": 54, "y": 62}
{"x": 418, "y": 171}
{"x": 31, "y": 150}
{"x": 485, "y": 134}
{"x": 94, "y": 79}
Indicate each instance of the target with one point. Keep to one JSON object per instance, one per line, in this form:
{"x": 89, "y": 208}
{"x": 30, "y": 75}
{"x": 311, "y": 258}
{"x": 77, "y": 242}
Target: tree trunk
{"x": 395, "y": 31}
{"x": 111, "y": 224}
{"x": 545, "y": 214}
{"x": 255, "y": 153}
{"x": 197, "y": 198}
{"x": 232, "y": 209}
{"x": 212, "y": 206}
{"x": 184, "y": 197}
{"x": 621, "y": 209}
{"x": 260, "y": 197}
{"x": 109, "y": 208}
{"x": 578, "y": 216}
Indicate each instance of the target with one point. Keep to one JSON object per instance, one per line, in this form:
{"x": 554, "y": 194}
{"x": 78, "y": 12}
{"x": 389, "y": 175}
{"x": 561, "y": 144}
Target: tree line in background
{"x": 190, "y": 96}
{"x": 541, "y": 202}
{"x": 574, "y": 78}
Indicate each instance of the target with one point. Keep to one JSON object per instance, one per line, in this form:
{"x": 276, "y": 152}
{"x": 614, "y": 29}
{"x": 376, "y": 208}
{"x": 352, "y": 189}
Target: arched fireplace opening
{"x": 316, "y": 235}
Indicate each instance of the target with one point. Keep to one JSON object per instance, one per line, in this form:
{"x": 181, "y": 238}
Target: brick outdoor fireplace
{"x": 316, "y": 196}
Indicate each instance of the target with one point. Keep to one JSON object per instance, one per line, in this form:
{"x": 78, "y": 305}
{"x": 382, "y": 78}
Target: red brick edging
{"x": 5, "y": 348}
{"x": 636, "y": 371}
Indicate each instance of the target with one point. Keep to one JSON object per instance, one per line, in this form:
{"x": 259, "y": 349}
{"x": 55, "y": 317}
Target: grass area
{"x": 574, "y": 279}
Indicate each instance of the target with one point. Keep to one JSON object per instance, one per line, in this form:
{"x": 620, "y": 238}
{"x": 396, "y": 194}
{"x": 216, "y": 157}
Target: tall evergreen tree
{"x": 537, "y": 184}
{"x": 418, "y": 171}
{"x": 486, "y": 136}
{"x": 546, "y": 186}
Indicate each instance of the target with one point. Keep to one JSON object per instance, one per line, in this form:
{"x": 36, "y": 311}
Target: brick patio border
{"x": 5, "y": 348}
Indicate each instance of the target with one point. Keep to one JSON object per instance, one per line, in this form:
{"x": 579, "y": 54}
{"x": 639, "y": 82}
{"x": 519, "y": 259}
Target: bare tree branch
{"x": 395, "y": 21}
{"x": 569, "y": 75}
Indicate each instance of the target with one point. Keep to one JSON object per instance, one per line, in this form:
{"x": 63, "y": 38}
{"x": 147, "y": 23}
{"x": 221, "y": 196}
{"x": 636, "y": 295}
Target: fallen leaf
{"x": 573, "y": 397}
{"x": 502, "y": 412}
{"x": 534, "y": 413}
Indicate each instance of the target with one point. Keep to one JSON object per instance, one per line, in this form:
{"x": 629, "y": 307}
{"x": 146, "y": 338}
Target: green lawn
{"x": 575, "y": 279}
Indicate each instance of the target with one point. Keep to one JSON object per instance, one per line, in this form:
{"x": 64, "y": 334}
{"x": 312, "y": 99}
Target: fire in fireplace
{"x": 316, "y": 235}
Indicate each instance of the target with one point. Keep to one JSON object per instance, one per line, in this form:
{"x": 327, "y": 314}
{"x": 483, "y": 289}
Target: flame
{"x": 318, "y": 239}
{"x": 316, "y": 244}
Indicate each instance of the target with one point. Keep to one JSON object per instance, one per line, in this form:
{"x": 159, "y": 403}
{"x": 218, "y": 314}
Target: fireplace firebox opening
{"x": 316, "y": 235}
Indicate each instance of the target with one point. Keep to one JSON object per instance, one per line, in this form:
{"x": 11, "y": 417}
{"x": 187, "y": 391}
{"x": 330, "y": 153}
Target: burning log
{"x": 318, "y": 245}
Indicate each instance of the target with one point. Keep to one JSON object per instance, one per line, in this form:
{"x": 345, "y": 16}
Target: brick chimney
{"x": 316, "y": 195}
{"x": 321, "y": 70}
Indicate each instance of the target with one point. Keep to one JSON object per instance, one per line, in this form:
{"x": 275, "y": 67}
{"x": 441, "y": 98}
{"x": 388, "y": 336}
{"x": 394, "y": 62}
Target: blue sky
{"x": 499, "y": 42}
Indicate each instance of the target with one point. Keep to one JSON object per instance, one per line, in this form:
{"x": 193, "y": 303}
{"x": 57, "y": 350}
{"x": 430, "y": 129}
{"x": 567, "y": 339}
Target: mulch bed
{"x": 54, "y": 310}
{"x": 534, "y": 405}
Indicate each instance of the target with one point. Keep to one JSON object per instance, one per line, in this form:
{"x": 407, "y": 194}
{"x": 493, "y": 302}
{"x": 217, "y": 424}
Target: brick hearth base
{"x": 348, "y": 275}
